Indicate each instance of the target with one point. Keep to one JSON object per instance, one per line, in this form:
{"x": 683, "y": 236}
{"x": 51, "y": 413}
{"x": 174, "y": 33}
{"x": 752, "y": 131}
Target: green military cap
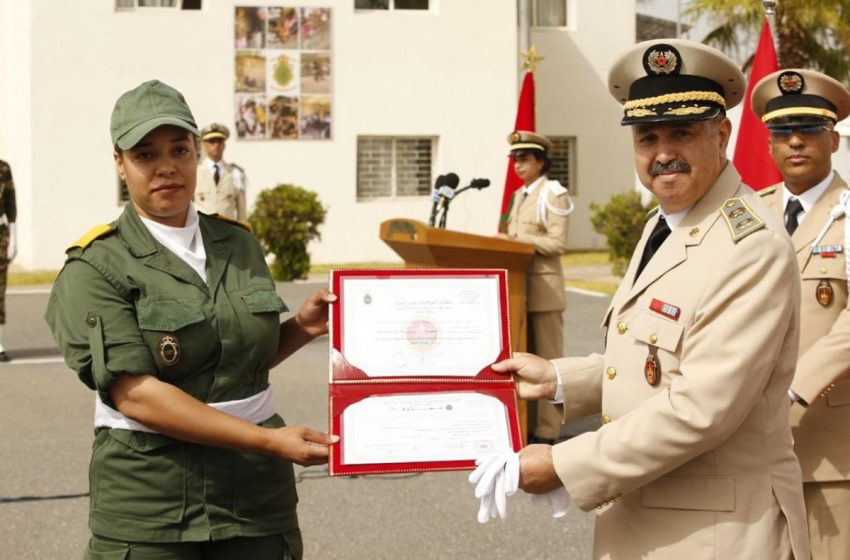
{"x": 674, "y": 80}
{"x": 215, "y": 130}
{"x": 801, "y": 97}
{"x": 146, "y": 107}
{"x": 525, "y": 140}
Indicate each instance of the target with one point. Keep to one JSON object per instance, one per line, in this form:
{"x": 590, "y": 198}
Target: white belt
{"x": 255, "y": 409}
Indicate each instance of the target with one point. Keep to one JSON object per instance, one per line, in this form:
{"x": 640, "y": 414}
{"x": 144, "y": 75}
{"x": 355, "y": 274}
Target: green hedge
{"x": 285, "y": 219}
{"x": 621, "y": 221}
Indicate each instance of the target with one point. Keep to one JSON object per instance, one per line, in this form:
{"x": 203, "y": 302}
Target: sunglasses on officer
{"x": 785, "y": 132}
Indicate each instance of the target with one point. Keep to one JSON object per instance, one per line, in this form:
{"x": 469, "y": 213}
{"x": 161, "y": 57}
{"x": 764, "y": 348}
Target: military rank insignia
{"x": 169, "y": 350}
{"x": 666, "y": 309}
{"x": 824, "y": 293}
{"x": 790, "y": 82}
{"x": 827, "y": 251}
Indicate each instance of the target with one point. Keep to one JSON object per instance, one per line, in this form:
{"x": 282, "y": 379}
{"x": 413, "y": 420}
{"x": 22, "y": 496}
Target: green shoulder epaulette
{"x": 244, "y": 225}
{"x": 740, "y": 218}
{"x": 94, "y": 233}
{"x": 768, "y": 190}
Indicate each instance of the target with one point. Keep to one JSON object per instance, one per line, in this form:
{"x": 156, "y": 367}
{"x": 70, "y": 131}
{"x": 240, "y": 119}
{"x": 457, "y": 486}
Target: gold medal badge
{"x": 824, "y": 293}
{"x": 169, "y": 350}
{"x": 652, "y": 369}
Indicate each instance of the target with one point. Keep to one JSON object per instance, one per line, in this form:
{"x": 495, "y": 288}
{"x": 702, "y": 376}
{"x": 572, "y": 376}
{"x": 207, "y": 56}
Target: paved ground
{"x": 45, "y": 414}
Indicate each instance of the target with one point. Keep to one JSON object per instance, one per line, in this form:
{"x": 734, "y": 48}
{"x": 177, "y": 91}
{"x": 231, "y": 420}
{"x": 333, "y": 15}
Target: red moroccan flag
{"x": 524, "y": 121}
{"x": 752, "y": 158}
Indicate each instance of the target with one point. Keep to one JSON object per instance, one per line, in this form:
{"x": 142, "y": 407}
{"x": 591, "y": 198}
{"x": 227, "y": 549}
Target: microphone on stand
{"x": 435, "y": 198}
{"x": 447, "y": 192}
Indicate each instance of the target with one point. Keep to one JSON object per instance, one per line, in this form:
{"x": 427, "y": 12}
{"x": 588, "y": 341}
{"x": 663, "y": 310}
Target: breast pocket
{"x": 656, "y": 331}
{"x": 260, "y": 318}
{"x": 181, "y": 337}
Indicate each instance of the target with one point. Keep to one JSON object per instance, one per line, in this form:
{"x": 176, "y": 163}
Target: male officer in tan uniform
{"x": 221, "y": 185}
{"x": 800, "y": 109}
{"x": 539, "y": 216}
{"x": 694, "y": 459}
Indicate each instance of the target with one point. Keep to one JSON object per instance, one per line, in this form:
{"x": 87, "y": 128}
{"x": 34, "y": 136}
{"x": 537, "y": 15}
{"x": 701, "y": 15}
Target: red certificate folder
{"x": 394, "y": 408}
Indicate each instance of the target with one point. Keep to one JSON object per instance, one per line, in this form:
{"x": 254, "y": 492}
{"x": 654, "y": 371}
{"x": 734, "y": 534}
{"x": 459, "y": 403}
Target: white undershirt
{"x": 185, "y": 242}
{"x": 809, "y": 198}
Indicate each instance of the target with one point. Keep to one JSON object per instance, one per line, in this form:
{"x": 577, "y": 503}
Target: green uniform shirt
{"x": 126, "y": 304}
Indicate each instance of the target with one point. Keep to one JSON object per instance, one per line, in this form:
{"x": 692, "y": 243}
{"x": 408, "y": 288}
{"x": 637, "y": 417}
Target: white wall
{"x": 450, "y": 73}
{"x": 573, "y": 100}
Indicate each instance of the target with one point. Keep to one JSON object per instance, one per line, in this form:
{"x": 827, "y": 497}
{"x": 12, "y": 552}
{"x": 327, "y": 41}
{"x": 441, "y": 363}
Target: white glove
{"x": 558, "y": 499}
{"x": 12, "y": 251}
{"x": 496, "y": 477}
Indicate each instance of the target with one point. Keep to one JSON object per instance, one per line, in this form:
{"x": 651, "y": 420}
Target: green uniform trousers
{"x": 285, "y": 546}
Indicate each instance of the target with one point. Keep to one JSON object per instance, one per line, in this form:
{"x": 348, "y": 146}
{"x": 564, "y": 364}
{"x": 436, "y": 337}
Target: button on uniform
{"x": 612, "y": 373}
{"x": 622, "y": 328}
{"x": 606, "y": 419}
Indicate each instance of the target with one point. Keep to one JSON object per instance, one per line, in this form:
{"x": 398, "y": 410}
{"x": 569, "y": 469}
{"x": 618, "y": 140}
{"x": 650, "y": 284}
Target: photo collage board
{"x": 283, "y": 81}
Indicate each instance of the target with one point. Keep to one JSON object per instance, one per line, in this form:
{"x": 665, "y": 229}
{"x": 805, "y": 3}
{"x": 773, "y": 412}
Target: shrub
{"x": 621, "y": 221}
{"x": 285, "y": 219}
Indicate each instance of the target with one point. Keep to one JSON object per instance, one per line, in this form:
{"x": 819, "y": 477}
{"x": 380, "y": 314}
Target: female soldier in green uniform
{"x": 172, "y": 317}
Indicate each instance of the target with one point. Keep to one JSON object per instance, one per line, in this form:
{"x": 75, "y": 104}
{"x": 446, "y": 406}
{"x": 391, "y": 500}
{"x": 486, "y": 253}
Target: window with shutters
{"x": 392, "y": 5}
{"x": 549, "y": 13}
{"x": 563, "y": 161}
{"x": 391, "y": 167}
{"x": 133, "y": 5}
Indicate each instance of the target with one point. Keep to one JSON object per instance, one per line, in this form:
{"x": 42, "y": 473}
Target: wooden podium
{"x": 422, "y": 246}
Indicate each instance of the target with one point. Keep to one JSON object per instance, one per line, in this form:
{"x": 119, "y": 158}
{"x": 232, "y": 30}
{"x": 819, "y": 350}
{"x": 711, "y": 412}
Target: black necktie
{"x": 791, "y": 211}
{"x": 215, "y": 173}
{"x": 656, "y": 238}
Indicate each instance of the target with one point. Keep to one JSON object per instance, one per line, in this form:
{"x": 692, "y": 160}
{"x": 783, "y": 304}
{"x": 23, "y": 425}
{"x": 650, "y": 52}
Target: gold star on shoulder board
{"x": 530, "y": 59}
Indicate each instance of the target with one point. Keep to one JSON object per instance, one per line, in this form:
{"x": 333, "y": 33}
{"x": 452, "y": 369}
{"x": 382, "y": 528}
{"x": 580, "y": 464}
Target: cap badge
{"x": 169, "y": 350}
{"x": 790, "y": 82}
{"x": 515, "y": 136}
{"x": 662, "y": 59}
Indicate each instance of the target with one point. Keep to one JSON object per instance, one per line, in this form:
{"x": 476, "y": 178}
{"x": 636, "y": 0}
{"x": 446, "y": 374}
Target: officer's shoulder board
{"x": 740, "y": 218}
{"x": 768, "y": 190}
{"x": 88, "y": 238}
{"x": 244, "y": 225}
{"x": 556, "y": 188}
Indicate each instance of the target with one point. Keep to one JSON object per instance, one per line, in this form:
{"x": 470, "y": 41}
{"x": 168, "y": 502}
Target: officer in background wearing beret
{"x": 221, "y": 185}
{"x": 8, "y": 241}
{"x": 538, "y": 216}
{"x": 694, "y": 458}
{"x": 800, "y": 109}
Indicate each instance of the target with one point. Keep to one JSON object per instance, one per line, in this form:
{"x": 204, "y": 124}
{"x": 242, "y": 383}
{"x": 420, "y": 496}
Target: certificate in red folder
{"x": 411, "y": 388}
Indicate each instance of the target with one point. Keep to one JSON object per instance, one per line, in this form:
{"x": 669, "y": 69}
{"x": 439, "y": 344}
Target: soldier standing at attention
{"x": 539, "y": 216}
{"x": 800, "y": 109}
{"x": 221, "y": 185}
{"x": 8, "y": 241}
{"x": 171, "y": 316}
{"x": 694, "y": 458}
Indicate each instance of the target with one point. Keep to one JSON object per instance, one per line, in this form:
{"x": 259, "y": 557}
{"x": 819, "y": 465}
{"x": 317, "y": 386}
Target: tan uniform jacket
{"x": 699, "y": 466}
{"x": 226, "y": 198}
{"x": 545, "y": 275}
{"x": 821, "y": 431}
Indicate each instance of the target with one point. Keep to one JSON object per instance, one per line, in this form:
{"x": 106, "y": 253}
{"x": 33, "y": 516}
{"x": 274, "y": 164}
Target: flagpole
{"x": 770, "y": 14}
{"x": 524, "y": 35}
